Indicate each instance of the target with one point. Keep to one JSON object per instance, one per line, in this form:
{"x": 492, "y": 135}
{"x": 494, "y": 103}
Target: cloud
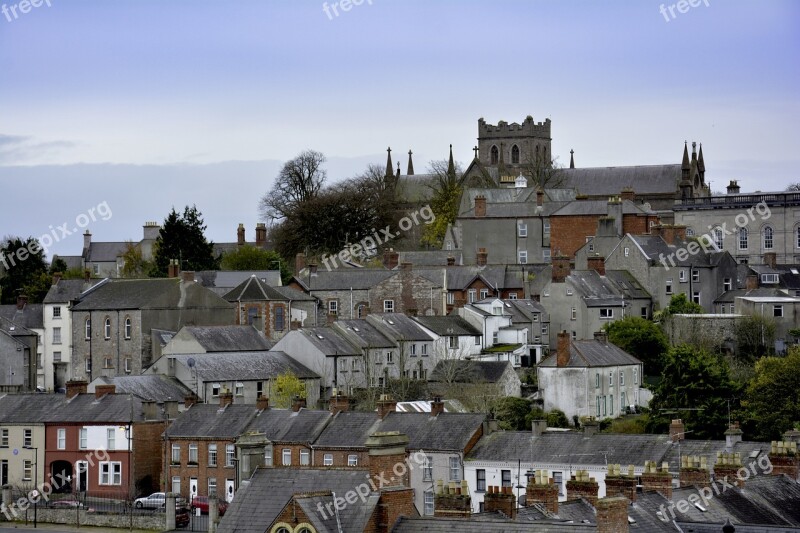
{"x": 22, "y": 149}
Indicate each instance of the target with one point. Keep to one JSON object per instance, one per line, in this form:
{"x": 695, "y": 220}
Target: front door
{"x": 192, "y": 488}
{"x": 82, "y": 469}
{"x": 229, "y": 488}
{"x": 4, "y": 472}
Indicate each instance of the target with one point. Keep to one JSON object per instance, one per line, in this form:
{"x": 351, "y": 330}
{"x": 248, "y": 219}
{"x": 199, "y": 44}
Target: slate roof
{"x": 599, "y": 207}
{"x": 594, "y": 289}
{"x": 329, "y": 341}
{"x": 286, "y": 425}
{"x": 709, "y": 449}
{"x": 157, "y": 388}
{"x": 356, "y": 279}
{"x": 72, "y": 261}
{"x": 209, "y": 421}
{"x": 290, "y": 293}
{"x": 229, "y": 338}
{"x": 28, "y": 408}
{"x": 428, "y": 257}
{"x": 258, "y": 504}
{"x": 460, "y": 276}
{"x": 470, "y": 371}
{"x": 348, "y": 429}
{"x": 592, "y": 353}
{"x": 108, "y": 408}
{"x": 446, "y": 431}
{"x": 654, "y": 247}
{"x": 142, "y": 294}
{"x": 570, "y": 448}
{"x": 67, "y": 290}
{"x": 448, "y": 326}
{"x": 398, "y": 327}
{"x": 523, "y": 311}
{"x": 253, "y": 290}
{"x": 105, "y": 252}
{"x": 730, "y": 296}
{"x": 515, "y": 210}
{"x": 222, "y": 281}
{"x": 608, "y": 181}
{"x": 363, "y": 334}
{"x": 465, "y": 525}
{"x": 31, "y": 316}
{"x": 355, "y": 517}
{"x": 244, "y": 366}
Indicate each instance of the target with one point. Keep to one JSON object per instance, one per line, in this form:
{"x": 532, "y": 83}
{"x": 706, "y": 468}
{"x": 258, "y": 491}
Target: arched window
{"x": 128, "y": 327}
{"x": 743, "y": 238}
{"x": 515, "y": 154}
{"x": 279, "y": 319}
{"x": 88, "y": 326}
{"x": 718, "y": 237}
{"x": 768, "y": 240}
{"x": 252, "y": 314}
{"x": 107, "y": 328}
{"x": 495, "y": 155}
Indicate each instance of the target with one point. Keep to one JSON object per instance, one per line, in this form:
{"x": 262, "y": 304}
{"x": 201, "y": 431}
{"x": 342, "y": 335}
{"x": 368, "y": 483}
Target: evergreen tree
{"x": 25, "y": 266}
{"x": 182, "y": 237}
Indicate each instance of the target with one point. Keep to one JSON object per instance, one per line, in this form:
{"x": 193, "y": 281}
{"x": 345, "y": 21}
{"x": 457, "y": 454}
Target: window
{"x": 512, "y": 295}
{"x": 546, "y": 254}
{"x": 597, "y": 402}
{"x": 111, "y": 473}
{"x": 452, "y": 342}
{"x": 695, "y": 276}
{"x": 212, "y": 455}
{"x": 424, "y": 350}
{"x": 606, "y": 313}
{"x": 111, "y": 439}
{"x": 427, "y": 468}
{"x": 777, "y": 310}
{"x": 176, "y": 454}
{"x": 27, "y": 438}
{"x": 87, "y": 327}
{"x": 505, "y": 476}
{"x": 56, "y": 357}
{"x": 515, "y": 155}
{"x": 230, "y": 453}
{"x": 484, "y": 293}
{"x": 455, "y": 469}
{"x": 27, "y": 470}
{"x": 252, "y": 316}
{"x": 558, "y": 479}
{"x": 333, "y": 307}
{"x": 523, "y": 257}
{"x": 495, "y": 337}
{"x": 574, "y": 314}
{"x": 569, "y": 291}
{"x": 259, "y": 388}
{"x": 495, "y": 156}
{"x": 591, "y": 246}
{"x": 546, "y": 227}
{"x": 690, "y": 232}
{"x": 797, "y": 237}
{"x": 611, "y": 405}
{"x": 611, "y": 378}
{"x": 57, "y": 311}
{"x": 390, "y": 357}
{"x": 215, "y": 389}
{"x": 669, "y": 286}
{"x": 56, "y": 335}
{"x": 192, "y": 454}
{"x": 769, "y": 278}
{"x": 212, "y": 486}
{"x": 176, "y": 484}
{"x": 451, "y": 298}
{"x": 621, "y": 377}
{"x": 622, "y": 401}
{"x": 107, "y": 329}
{"x": 545, "y": 329}
{"x": 128, "y": 327}
{"x": 718, "y": 238}
{"x": 4, "y": 438}
{"x": 743, "y": 238}
{"x": 768, "y": 241}
{"x": 388, "y": 306}
{"x": 128, "y": 364}
{"x": 327, "y": 459}
{"x": 696, "y": 297}
{"x": 522, "y": 229}
{"x": 286, "y": 457}
{"x": 477, "y": 340}
{"x": 61, "y": 440}
{"x": 682, "y": 276}
{"x": 305, "y": 458}
{"x": 627, "y": 251}
{"x": 480, "y": 480}
{"x": 352, "y": 460}
{"x": 239, "y": 390}
{"x": 644, "y": 312}
{"x": 429, "y": 502}
{"x": 726, "y": 284}
{"x": 635, "y": 376}
{"x": 279, "y": 319}
{"x": 83, "y": 437}
{"x": 574, "y": 335}
{"x": 597, "y": 380}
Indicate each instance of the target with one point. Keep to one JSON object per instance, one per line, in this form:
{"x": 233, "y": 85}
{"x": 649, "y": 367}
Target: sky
{"x": 148, "y": 104}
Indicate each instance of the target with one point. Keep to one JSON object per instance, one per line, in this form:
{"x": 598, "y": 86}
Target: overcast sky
{"x": 145, "y": 104}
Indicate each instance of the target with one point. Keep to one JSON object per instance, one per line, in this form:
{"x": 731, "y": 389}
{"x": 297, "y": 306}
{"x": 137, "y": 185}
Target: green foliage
{"x": 772, "y": 398}
{"x": 134, "y": 265}
{"x": 695, "y": 387}
{"x": 26, "y": 270}
{"x": 58, "y": 265}
{"x": 642, "y": 339}
{"x": 630, "y": 424}
{"x": 512, "y": 413}
{"x": 557, "y": 419}
{"x": 182, "y": 237}
{"x": 755, "y": 337}
{"x": 285, "y": 388}
{"x": 447, "y": 187}
{"x": 251, "y": 258}
{"x": 679, "y": 304}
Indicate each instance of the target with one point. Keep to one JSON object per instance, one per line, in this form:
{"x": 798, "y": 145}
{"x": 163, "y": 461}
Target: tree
{"x": 542, "y": 171}
{"x": 300, "y": 180}
{"x": 696, "y": 387}
{"x": 58, "y": 265}
{"x": 679, "y": 304}
{"x": 793, "y": 187}
{"x": 447, "y": 186}
{"x": 182, "y": 237}
{"x": 557, "y": 419}
{"x": 286, "y": 387}
{"x": 512, "y": 413}
{"x": 642, "y": 339}
{"x": 755, "y": 336}
{"x": 772, "y": 398}
{"x": 134, "y": 265}
{"x": 26, "y": 270}
{"x": 251, "y": 258}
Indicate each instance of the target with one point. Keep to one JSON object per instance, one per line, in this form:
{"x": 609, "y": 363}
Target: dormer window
{"x": 769, "y": 278}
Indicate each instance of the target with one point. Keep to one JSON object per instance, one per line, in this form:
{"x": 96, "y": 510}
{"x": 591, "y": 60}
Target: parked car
{"x": 157, "y": 500}
{"x": 201, "y": 502}
{"x": 181, "y": 516}
{"x": 69, "y": 504}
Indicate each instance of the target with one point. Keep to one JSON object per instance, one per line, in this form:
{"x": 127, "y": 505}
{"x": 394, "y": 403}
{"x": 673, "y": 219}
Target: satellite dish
{"x": 190, "y": 362}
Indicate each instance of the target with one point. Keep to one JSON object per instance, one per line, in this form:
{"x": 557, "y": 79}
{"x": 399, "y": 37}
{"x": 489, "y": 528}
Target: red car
{"x": 201, "y": 502}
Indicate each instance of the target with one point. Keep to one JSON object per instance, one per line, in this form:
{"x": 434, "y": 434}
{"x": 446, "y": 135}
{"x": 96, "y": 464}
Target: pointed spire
{"x": 451, "y": 167}
{"x": 694, "y": 152}
{"x": 398, "y": 169}
{"x": 389, "y": 166}
{"x": 410, "y": 170}
{"x": 572, "y": 159}
{"x": 685, "y": 164}
{"x": 701, "y": 165}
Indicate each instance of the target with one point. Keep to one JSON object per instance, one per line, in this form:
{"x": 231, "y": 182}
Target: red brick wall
{"x": 148, "y": 457}
{"x": 202, "y": 472}
{"x": 340, "y": 456}
{"x": 568, "y": 233}
{"x": 696, "y": 477}
{"x": 658, "y": 482}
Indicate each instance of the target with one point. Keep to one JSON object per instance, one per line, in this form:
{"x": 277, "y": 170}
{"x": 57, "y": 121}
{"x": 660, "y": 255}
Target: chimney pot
{"x": 76, "y": 386}
{"x": 298, "y": 403}
{"x": 482, "y": 257}
{"x": 225, "y": 398}
{"x": 563, "y": 349}
{"x": 240, "y": 240}
{"x": 102, "y": 390}
{"x": 262, "y": 403}
{"x": 437, "y": 406}
{"x": 480, "y": 206}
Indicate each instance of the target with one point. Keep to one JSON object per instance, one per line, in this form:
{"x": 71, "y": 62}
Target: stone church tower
{"x": 513, "y": 144}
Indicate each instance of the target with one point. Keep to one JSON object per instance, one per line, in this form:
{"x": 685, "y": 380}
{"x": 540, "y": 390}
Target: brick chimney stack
{"x": 338, "y": 403}
{"x": 437, "y": 406}
{"x": 22, "y": 301}
{"x": 612, "y": 515}
{"x": 262, "y": 403}
{"x": 694, "y": 471}
{"x": 386, "y": 450}
{"x": 299, "y": 263}
{"x": 733, "y": 435}
{"x": 561, "y": 268}
{"x": 562, "y": 349}
{"x": 727, "y": 468}
{"x": 482, "y": 258}
{"x": 655, "y": 479}
{"x": 386, "y": 405}
{"x": 225, "y": 398}
{"x": 480, "y": 206}
{"x": 390, "y": 258}
{"x": 500, "y": 499}
{"x": 583, "y": 486}
{"x": 597, "y": 263}
{"x": 541, "y": 489}
{"x": 261, "y": 235}
{"x": 751, "y": 282}
{"x": 677, "y": 430}
{"x": 451, "y": 261}
{"x": 173, "y": 269}
{"x": 189, "y": 400}
{"x": 619, "y": 482}
{"x": 771, "y": 259}
{"x": 784, "y": 459}
{"x": 452, "y": 500}
{"x": 298, "y": 403}
{"x": 539, "y": 197}
{"x": 102, "y": 390}
{"x": 57, "y": 277}
{"x": 76, "y": 386}
{"x": 240, "y": 235}
{"x": 628, "y": 194}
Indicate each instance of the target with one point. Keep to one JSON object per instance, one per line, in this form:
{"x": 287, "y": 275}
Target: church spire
{"x": 389, "y": 169}
{"x": 572, "y": 159}
{"x": 451, "y": 167}
{"x": 685, "y": 164}
{"x": 701, "y": 164}
{"x": 410, "y": 170}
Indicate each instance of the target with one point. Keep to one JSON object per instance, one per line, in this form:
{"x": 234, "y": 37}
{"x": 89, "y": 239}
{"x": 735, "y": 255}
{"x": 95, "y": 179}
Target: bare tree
{"x": 299, "y": 180}
{"x": 793, "y": 187}
{"x": 544, "y": 172}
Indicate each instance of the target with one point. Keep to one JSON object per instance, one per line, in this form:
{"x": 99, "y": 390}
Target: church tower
{"x": 513, "y": 144}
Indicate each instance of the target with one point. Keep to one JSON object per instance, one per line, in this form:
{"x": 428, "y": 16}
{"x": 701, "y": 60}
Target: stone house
{"x": 27, "y": 320}
{"x": 216, "y": 339}
{"x": 18, "y": 346}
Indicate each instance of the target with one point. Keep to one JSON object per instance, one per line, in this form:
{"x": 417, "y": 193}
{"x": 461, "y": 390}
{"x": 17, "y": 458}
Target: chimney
{"x": 482, "y": 257}
{"x": 563, "y": 349}
{"x": 171, "y": 411}
{"x": 76, "y": 386}
{"x": 751, "y": 282}
{"x": 189, "y": 401}
{"x": 386, "y": 405}
{"x": 582, "y": 486}
{"x": 628, "y": 194}
{"x": 612, "y": 515}
{"x": 561, "y": 268}
{"x": 225, "y": 398}
{"x": 733, "y": 435}
{"x": 673, "y": 234}
{"x": 87, "y": 242}
{"x": 240, "y": 235}
{"x": 601, "y": 336}
{"x": 614, "y": 210}
{"x": 102, "y": 390}
{"x": 539, "y": 197}
{"x": 452, "y": 500}
{"x": 187, "y": 276}
{"x": 655, "y": 479}
{"x": 22, "y": 301}
{"x": 771, "y": 259}
{"x": 338, "y": 403}
{"x": 541, "y": 489}
{"x": 480, "y": 206}
{"x": 591, "y": 426}
{"x": 656, "y": 230}
{"x": 386, "y": 450}
{"x": 677, "y": 430}
{"x": 173, "y": 269}
{"x": 621, "y": 483}
{"x": 312, "y": 269}
{"x": 261, "y": 235}
{"x": 597, "y": 263}
{"x": 390, "y": 258}
{"x": 694, "y": 471}
{"x": 262, "y": 402}
{"x": 500, "y": 499}
{"x": 539, "y": 427}
{"x": 727, "y": 468}
{"x": 451, "y": 261}
{"x": 149, "y": 410}
{"x": 733, "y": 187}
{"x": 87, "y": 275}
{"x": 437, "y": 406}
{"x": 57, "y": 277}
{"x": 784, "y": 459}
{"x": 299, "y": 263}
{"x": 406, "y": 266}
{"x": 298, "y": 403}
